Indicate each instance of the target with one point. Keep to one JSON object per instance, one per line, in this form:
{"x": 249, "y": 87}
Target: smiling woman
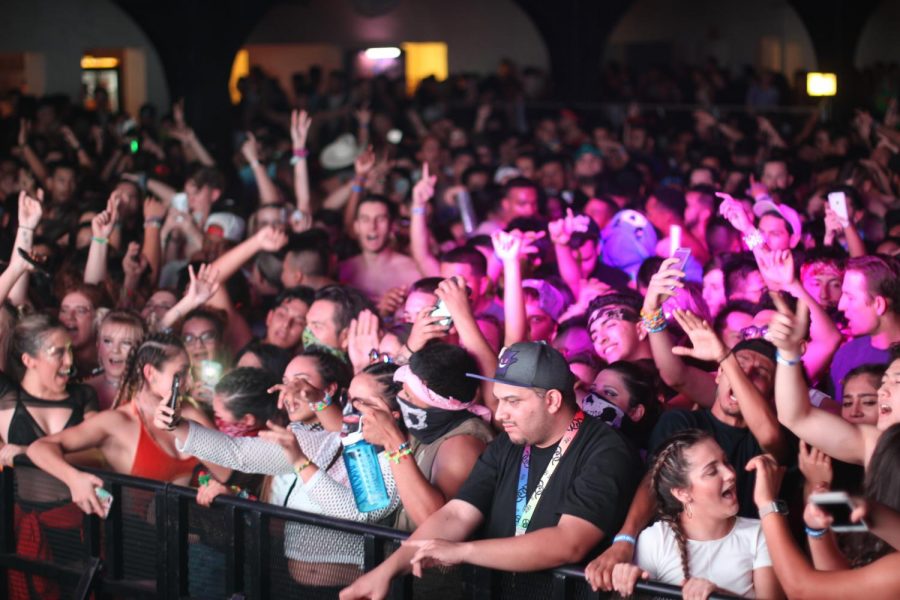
{"x": 119, "y": 332}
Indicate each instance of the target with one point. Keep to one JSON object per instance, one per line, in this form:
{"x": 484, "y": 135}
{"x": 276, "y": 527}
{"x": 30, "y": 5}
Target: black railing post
{"x": 483, "y": 583}
{"x": 176, "y": 531}
{"x": 162, "y": 544}
{"x": 561, "y": 588}
{"x": 7, "y": 520}
{"x": 113, "y": 561}
{"x": 234, "y": 554}
{"x": 258, "y": 556}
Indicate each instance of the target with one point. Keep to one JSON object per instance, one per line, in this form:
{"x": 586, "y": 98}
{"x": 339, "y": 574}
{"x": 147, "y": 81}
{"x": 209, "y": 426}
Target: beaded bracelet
{"x": 321, "y": 404}
{"x": 655, "y": 321}
{"x": 100, "y": 240}
{"x": 304, "y": 465}
{"x": 754, "y": 239}
{"x": 396, "y": 457}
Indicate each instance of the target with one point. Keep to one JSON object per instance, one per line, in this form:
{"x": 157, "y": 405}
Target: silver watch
{"x": 778, "y": 506}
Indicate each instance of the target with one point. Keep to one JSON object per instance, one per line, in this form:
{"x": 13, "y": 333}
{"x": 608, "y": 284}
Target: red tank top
{"x": 152, "y": 462}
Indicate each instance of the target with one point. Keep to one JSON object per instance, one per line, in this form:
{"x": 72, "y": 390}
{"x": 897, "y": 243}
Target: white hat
{"x": 789, "y": 214}
{"x": 340, "y": 153}
{"x": 228, "y": 225}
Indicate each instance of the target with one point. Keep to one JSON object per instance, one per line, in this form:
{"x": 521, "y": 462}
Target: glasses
{"x": 614, "y": 314}
{"x": 753, "y": 332}
{"x": 380, "y": 357}
{"x": 204, "y": 338}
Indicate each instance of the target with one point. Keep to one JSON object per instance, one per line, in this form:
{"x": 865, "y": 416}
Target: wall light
{"x": 99, "y": 62}
{"x": 382, "y": 53}
{"x": 821, "y": 84}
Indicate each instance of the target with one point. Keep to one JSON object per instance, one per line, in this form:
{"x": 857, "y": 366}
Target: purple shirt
{"x": 854, "y": 353}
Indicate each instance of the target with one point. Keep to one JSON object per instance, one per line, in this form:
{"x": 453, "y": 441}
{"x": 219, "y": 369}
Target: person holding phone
{"x": 126, "y": 436}
{"x": 828, "y": 577}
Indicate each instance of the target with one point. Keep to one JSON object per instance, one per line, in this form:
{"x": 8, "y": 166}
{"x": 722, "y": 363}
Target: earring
{"x": 688, "y": 510}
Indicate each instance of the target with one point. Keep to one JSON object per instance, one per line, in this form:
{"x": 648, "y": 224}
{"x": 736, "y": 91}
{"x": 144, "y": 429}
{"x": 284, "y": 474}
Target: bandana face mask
{"x": 428, "y": 424}
{"x": 309, "y": 340}
{"x": 603, "y": 409}
{"x": 236, "y": 429}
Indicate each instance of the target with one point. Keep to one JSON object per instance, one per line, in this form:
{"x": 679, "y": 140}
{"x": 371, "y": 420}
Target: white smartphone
{"x": 106, "y": 500}
{"x": 839, "y": 506}
{"x": 674, "y": 239}
{"x": 838, "y": 203}
{"x": 180, "y": 202}
{"x": 682, "y": 254}
{"x": 441, "y": 310}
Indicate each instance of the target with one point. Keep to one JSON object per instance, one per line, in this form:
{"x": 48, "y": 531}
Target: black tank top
{"x": 23, "y": 429}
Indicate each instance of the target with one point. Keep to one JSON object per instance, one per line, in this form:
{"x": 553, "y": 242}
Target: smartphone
{"x": 838, "y": 203}
{"x": 838, "y": 505}
{"x": 210, "y": 372}
{"x": 682, "y": 254}
{"x": 176, "y": 392}
{"x": 441, "y": 311}
{"x": 674, "y": 239}
{"x": 106, "y": 500}
{"x": 180, "y": 202}
{"x": 30, "y": 260}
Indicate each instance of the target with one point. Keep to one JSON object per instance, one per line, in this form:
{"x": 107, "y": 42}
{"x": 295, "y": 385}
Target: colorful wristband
{"x": 301, "y": 152}
{"x": 815, "y": 533}
{"x": 786, "y": 361}
{"x": 100, "y": 240}
{"x": 304, "y": 465}
{"x": 321, "y": 404}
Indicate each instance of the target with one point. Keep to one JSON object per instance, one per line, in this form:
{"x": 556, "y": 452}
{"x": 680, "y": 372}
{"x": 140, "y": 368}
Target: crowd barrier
{"x": 157, "y": 542}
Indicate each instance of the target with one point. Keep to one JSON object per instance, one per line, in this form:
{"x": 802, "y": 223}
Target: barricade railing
{"x": 157, "y": 542}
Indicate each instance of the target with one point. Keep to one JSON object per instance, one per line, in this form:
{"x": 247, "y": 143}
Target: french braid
{"x": 670, "y": 471}
{"x": 155, "y": 349}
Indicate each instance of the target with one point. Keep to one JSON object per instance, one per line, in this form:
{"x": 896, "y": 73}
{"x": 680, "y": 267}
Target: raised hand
{"x": 787, "y": 331}
{"x": 706, "y": 343}
{"x": 250, "y": 149}
{"x": 833, "y": 226}
{"x": 365, "y": 162}
{"x": 663, "y": 284}
{"x": 768, "y": 479}
{"x": 154, "y": 209}
{"x": 424, "y": 188}
{"x": 30, "y": 209}
{"x": 734, "y": 213}
{"x": 134, "y": 263}
{"x": 103, "y": 223}
{"x": 362, "y": 338}
{"x": 391, "y": 301}
{"x": 203, "y": 285}
{"x": 776, "y": 268}
{"x": 757, "y": 188}
{"x": 561, "y": 230}
{"x": 506, "y": 245}
{"x": 815, "y": 466}
{"x": 165, "y": 417}
{"x": 300, "y": 124}
{"x": 455, "y": 296}
{"x": 286, "y": 439}
{"x": 271, "y": 238}
{"x": 424, "y": 329}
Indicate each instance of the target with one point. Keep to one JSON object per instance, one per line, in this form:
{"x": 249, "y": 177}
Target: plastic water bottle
{"x": 364, "y": 470}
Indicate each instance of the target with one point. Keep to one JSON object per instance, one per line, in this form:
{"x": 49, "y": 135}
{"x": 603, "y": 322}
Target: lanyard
{"x": 523, "y": 510}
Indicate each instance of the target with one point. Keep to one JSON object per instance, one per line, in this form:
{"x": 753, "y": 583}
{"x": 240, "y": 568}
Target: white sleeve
{"x": 244, "y": 454}
{"x": 761, "y": 558}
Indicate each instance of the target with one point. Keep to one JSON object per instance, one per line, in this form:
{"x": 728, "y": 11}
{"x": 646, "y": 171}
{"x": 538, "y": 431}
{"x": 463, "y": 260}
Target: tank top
{"x": 152, "y": 462}
{"x": 24, "y": 429}
{"x": 425, "y": 454}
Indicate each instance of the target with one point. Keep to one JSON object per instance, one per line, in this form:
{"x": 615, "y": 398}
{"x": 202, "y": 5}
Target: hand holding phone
{"x": 106, "y": 500}
{"x": 839, "y": 506}
{"x": 441, "y": 310}
{"x": 838, "y": 203}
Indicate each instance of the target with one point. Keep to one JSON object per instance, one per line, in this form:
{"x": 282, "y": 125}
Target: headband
{"x": 405, "y": 375}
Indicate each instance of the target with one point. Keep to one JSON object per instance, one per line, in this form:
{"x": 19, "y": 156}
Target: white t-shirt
{"x": 727, "y": 562}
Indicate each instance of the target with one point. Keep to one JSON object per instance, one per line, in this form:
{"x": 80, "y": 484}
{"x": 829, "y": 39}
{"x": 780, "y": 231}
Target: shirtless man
{"x": 379, "y": 267}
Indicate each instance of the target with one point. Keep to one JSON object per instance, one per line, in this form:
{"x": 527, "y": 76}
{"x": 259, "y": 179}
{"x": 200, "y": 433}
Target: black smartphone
{"x": 30, "y": 260}
{"x": 839, "y": 506}
{"x": 176, "y": 392}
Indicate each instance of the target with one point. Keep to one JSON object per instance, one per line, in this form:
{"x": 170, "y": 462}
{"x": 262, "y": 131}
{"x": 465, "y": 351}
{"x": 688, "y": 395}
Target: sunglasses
{"x": 619, "y": 313}
{"x": 753, "y": 332}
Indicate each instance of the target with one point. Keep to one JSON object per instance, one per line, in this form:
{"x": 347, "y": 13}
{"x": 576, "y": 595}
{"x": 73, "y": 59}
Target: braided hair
{"x": 670, "y": 471}
{"x": 383, "y": 373}
{"x": 155, "y": 349}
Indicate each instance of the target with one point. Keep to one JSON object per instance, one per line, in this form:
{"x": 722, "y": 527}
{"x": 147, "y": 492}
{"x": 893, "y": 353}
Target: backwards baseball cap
{"x": 758, "y": 345}
{"x": 531, "y": 365}
{"x": 787, "y": 213}
{"x": 550, "y": 299}
{"x": 226, "y": 225}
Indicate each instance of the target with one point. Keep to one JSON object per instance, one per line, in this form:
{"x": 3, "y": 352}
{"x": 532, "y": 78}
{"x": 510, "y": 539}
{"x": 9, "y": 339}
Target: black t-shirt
{"x": 738, "y": 444}
{"x": 595, "y": 481}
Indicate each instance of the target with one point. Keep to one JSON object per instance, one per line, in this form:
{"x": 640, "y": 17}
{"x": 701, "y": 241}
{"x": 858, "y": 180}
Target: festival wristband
{"x": 815, "y": 533}
{"x": 204, "y": 478}
{"x": 754, "y": 239}
{"x": 418, "y": 210}
{"x": 622, "y": 537}
{"x": 781, "y": 360}
{"x": 356, "y": 189}
{"x": 100, "y": 240}
{"x": 301, "y": 152}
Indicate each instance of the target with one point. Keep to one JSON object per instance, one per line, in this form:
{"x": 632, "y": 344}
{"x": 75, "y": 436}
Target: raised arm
{"x": 300, "y": 124}
{"x": 201, "y": 288}
{"x": 419, "y": 235}
{"x": 31, "y": 158}
{"x": 755, "y": 409}
{"x": 829, "y": 433}
{"x": 363, "y": 165}
{"x": 694, "y": 383}
{"x": 508, "y": 247}
{"x": 30, "y": 211}
{"x": 268, "y": 193}
{"x": 84, "y": 159}
{"x": 102, "y": 226}
{"x": 154, "y": 217}
{"x": 561, "y": 232}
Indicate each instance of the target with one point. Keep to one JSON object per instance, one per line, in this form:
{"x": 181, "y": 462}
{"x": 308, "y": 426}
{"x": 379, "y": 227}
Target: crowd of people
{"x": 637, "y": 347}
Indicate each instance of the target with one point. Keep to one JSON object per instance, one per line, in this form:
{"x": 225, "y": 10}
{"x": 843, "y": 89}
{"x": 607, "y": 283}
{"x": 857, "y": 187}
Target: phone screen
{"x": 682, "y": 254}
{"x": 837, "y": 504}
{"x": 838, "y": 203}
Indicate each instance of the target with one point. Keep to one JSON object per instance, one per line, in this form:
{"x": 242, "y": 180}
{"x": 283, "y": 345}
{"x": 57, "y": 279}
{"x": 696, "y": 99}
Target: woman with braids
{"x": 304, "y": 461}
{"x": 699, "y": 542}
{"x": 126, "y": 436}
{"x": 118, "y": 333}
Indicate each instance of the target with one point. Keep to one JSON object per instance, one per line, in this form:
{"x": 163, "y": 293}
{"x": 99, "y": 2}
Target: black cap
{"x": 531, "y": 365}
{"x": 758, "y": 345}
